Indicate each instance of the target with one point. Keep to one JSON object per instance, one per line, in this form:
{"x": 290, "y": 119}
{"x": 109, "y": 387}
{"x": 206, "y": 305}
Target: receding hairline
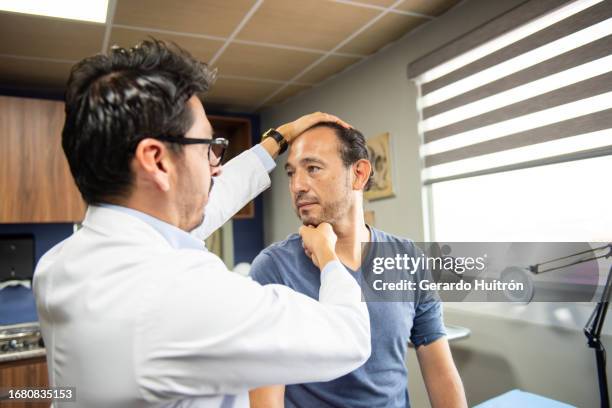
{"x": 335, "y": 131}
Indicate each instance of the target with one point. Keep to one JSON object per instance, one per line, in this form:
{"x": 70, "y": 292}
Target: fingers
{"x": 317, "y": 117}
{"x": 325, "y": 226}
{"x": 293, "y": 129}
{"x": 332, "y": 118}
{"x": 304, "y": 231}
{"x": 304, "y": 228}
{"x": 312, "y": 257}
{"x": 312, "y": 119}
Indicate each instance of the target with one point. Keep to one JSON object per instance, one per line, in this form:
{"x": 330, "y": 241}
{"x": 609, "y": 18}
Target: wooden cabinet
{"x": 21, "y": 374}
{"x": 35, "y": 181}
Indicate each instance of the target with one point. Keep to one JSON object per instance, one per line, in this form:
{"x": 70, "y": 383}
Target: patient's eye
{"x": 290, "y": 173}
{"x": 313, "y": 169}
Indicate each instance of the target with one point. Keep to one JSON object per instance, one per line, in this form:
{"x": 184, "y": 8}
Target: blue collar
{"x": 176, "y": 237}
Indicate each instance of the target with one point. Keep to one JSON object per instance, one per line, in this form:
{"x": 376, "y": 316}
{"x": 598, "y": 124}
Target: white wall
{"x": 504, "y": 353}
{"x": 376, "y": 96}
{"x": 510, "y": 347}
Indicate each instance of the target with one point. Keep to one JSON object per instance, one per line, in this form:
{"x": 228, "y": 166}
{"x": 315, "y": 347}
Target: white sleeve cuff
{"x": 335, "y": 264}
{"x": 263, "y": 156}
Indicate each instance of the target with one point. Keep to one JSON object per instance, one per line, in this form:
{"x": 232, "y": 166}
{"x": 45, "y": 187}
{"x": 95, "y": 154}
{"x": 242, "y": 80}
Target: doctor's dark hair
{"x": 114, "y": 101}
{"x": 353, "y": 146}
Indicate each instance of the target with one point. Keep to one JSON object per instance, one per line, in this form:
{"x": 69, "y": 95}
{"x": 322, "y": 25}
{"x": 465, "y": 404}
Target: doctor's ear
{"x": 151, "y": 163}
{"x": 361, "y": 173}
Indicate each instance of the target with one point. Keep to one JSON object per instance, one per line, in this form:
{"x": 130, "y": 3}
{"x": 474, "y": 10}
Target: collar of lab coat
{"x": 176, "y": 237}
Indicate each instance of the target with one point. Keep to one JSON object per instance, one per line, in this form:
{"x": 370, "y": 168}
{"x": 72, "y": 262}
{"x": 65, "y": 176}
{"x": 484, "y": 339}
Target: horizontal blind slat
{"x": 581, "y": 155}
{"x": 583, "y": 124}
{"x": 581, "y": 90}
{"x": 590, "y": 52}
{"x": 509, "y": 20}
{"x": 538, "y": 93}
{"x": 577, "y": 22}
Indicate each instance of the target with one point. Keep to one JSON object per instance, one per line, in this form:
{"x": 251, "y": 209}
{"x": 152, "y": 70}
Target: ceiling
{"x": 266, "y": 50}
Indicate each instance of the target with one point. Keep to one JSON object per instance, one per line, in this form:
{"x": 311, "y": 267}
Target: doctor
{"x": 134, "y": 311}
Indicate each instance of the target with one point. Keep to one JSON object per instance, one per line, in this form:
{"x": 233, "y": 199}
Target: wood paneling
{"x": 21, "y": 374}
{"x": 35, "y": 182}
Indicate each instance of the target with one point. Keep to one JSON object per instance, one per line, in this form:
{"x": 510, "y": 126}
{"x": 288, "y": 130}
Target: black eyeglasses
{"x": 216, "y": 146}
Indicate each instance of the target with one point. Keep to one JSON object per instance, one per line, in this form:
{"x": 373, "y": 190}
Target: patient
{"x": 328, "y": 171}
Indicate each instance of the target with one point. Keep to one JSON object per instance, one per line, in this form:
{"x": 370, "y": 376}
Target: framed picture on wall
{"x": 380, "y": 156}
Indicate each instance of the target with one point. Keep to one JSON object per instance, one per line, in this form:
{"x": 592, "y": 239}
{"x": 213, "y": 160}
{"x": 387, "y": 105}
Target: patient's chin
{"x": 310, "y": 220}
{"x": 314, "y": 220}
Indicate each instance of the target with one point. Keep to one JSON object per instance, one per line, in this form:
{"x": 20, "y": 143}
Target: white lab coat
{"x": 132, "y": 322}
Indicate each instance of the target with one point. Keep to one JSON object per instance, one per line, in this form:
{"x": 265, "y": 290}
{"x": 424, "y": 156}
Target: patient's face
{"x": 320, "y": 184}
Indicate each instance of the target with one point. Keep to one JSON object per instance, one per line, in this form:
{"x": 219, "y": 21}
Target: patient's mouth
{"x": 304, "y": 204}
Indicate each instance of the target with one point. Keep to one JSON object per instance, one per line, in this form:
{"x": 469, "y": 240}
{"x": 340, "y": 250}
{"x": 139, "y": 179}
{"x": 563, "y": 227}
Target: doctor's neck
{"x": 158, "y": 207}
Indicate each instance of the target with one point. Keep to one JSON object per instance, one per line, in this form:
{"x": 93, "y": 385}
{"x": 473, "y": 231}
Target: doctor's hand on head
{"x": 319, "y": 243}
{"x": 293, "y": 129}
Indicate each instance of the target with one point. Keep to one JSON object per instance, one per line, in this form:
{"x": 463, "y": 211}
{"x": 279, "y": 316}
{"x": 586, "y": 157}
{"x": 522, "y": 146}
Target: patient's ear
{"x": 361, "y": 173}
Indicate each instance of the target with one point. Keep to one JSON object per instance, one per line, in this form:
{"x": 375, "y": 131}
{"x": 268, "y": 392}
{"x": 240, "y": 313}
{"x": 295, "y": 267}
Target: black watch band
{"x": 276, "y": 135}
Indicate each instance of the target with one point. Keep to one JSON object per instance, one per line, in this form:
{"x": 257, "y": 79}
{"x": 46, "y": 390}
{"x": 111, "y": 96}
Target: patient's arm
{"x": 442, "y": 380}
{"x": 272, "y": 396}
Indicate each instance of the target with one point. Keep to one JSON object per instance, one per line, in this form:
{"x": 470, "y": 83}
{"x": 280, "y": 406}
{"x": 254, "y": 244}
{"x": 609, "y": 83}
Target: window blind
{"x": 532, "y": 87}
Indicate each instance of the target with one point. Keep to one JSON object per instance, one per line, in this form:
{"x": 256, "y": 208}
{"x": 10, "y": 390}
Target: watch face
{"x": 273, "y": 134}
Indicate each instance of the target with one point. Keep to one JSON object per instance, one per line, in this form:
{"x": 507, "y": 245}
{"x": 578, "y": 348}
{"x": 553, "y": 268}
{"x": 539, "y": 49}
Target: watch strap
{"x": 280, "y": 139}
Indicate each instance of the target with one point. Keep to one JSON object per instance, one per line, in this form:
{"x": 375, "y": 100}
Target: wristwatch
{"x": 276, "y": 135}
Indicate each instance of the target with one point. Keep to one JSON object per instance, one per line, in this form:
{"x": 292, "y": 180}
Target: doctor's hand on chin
{"x": 319, "y": 243}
